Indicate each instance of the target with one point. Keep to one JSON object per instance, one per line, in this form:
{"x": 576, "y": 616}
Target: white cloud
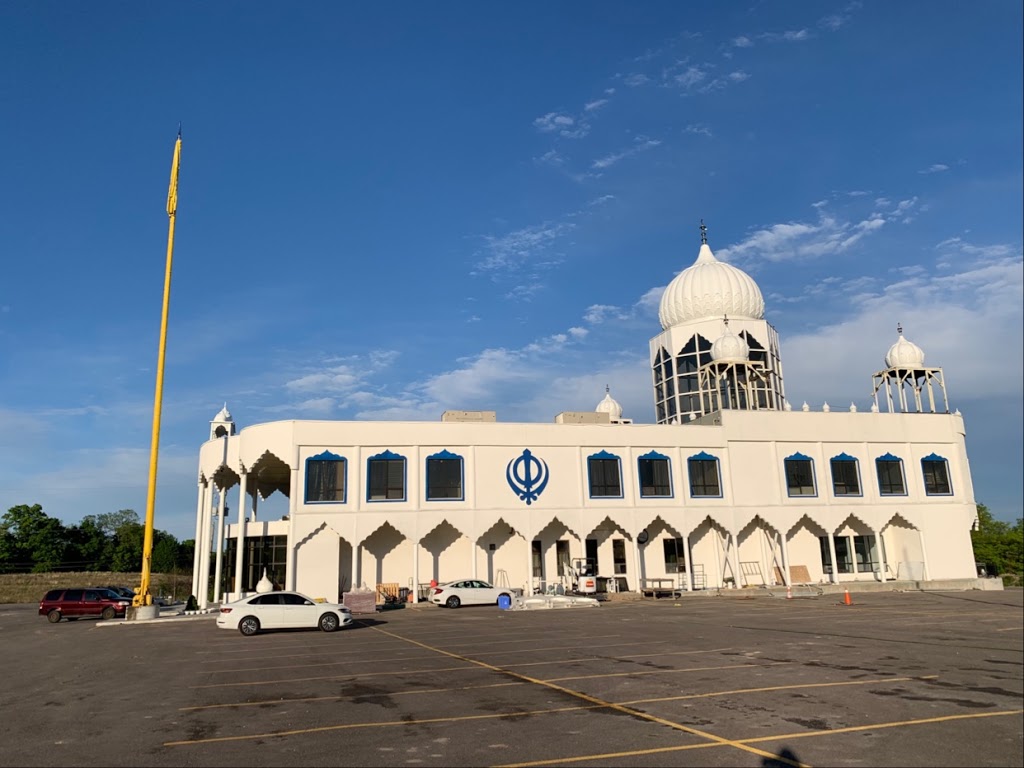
{"x": 698, "y": 128}
{"x": 513, "y": 249}
{"x": 636, "y": 80}
{"x": 593, "y": 105}
{"x": 641, "y": 144}
{"x": 551, "y": 157}
{"x": 742, "y": 41}
{"x": 935, "y": 168}
{"x": 964, "y": 320}
{"x": 803, "y": 240}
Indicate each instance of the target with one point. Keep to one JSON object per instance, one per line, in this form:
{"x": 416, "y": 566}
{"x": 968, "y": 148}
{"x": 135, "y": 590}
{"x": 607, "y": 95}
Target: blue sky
{"x": 386, "y": 211}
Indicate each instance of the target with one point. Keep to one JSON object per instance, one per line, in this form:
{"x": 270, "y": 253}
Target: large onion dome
{"x": 710, "y": 288}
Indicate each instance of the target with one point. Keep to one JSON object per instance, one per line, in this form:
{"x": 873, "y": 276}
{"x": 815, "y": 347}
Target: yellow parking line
{"x": 875, "y": 726}
{"x": 655, "y": 671}
{"x": 265, "y": 702}
{"x": 335, "y": 677}
{"x": 414, "y": 692}
{"x": 386, "y": 724}
{"x": 791, "y": 687}
{"x": 759, "y": 740}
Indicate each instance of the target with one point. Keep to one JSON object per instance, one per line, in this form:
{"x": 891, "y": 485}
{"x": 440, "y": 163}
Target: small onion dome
{"x": 730, "y": 348}
{"x": 223, "y": 414}
{"x": 609, "y": 406}
{"x": 904, "y": 354}
{"x": 710, "y": 288}
{"x": 265, "y": 584}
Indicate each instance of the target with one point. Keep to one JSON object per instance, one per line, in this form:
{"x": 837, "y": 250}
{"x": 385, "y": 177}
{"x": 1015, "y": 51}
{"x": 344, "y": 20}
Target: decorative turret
{"x": 906, "y": 380}
{"x": 691, "y": 312}
{"x": 222, "y": 424}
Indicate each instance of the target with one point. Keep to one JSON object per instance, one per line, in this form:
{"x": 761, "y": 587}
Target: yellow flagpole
{"x": 143, "y": 596}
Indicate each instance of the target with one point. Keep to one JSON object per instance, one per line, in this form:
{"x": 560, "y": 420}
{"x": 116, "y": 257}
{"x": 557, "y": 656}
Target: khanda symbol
{"x": 527, "y": 476}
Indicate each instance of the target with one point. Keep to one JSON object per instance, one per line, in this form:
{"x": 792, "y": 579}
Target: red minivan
{"x": 88, "y": 601}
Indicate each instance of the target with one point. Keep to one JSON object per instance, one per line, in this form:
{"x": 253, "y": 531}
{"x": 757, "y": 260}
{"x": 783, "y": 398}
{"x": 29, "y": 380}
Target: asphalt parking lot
{"x": 908, "y": 679}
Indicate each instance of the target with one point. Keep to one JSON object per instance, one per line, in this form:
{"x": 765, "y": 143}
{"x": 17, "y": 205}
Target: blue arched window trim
{"x": 654, "y": 456}
{"x": 388, "y": 456}
{"x": 603, "y": 456}
{"x": 445, "y": 455}
{"x": 700, "y": 483}
{"x": 308, "y": 481}
{"x": 798, "y": 470}
{"x": 889, "y": 470}
{"x": 841, "y": 484}
{"x": 933, "y": 479}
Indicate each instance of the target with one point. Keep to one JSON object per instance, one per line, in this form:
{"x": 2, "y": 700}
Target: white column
{"x": 240, "y": 534}
{"x": 219, "y": 564}
{"x": 528, "y": 588}
{"x": 832, "y": 552}
{"x": 416, "y": 570}
{"x": 197, "y": 551}
{"x": 636, "y": 555}
{"x": 473, "y": 553}
{"x": 924, "y": 553}
{"x": 207, "y": 543}
{"x": 733, "y": 560}
{"x": 688, "y": 581}
{"x": 881, "y": 554}
{"x": 785, "y": 559}
{"x": 293, "y": 504}
{"x": 352, "y": 585}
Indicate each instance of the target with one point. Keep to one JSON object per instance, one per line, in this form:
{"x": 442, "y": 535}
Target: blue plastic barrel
{"x": 504, "y": 602}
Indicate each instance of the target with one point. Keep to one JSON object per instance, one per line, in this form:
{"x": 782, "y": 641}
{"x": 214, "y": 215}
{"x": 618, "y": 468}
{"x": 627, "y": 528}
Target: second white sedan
{"x": 467, "y": 592}
{"x": 282, "y": 610}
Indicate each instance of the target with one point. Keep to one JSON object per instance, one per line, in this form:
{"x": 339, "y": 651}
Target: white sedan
{"x": 282, "y": 610}
{"x": 467, "y": 592}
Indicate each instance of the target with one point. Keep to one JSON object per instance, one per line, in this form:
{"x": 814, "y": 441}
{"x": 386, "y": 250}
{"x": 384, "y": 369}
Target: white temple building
{"x": 731, "y": 487}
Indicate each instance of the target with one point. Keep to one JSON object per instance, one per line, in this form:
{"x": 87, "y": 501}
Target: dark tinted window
{"x": 73, "y": 595}
{"x": 53, "y": 594}
{"x": 95, "y": 595}
{"x": 293, "y": 599}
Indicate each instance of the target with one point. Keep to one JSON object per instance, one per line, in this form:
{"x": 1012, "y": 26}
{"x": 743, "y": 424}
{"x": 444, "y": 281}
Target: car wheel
{"x": 108, "y": 613}
{"x": 249, "y": 626}
{"x": 328, "y": 622}
{"x": 53, "y": 616}
{"x": 453, "y": 602}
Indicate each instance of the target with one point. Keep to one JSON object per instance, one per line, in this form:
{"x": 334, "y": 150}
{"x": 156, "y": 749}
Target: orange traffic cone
{"x": 846, "y": 598}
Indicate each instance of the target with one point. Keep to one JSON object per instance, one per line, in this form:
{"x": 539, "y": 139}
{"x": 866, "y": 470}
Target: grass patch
{"x": 30, "y": 587}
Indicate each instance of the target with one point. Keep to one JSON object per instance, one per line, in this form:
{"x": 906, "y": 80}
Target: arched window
{"x": 845, "y": 475}
{"x": 655, "y": 475}
{"x": 604, "y": 471}
{"x": 705, "y": 476}
{"x": 325, "y": 478}
{"x": 385, "y": 474}
{"x": 890, "y": 475}
{"x": 800, "y": 475}
{"x": 936, "y": 476}
{"x": 444, "y": 477}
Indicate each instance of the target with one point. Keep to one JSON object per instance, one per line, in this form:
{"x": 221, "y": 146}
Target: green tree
{"x": 32, "y": 540}
{"x": 997, "y": 544}
{"x": 165, "y": 553}
{"x": 90, "y": 548}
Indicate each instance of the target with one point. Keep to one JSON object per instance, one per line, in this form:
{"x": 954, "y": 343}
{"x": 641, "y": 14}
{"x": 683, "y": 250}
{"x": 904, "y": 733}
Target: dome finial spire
{"x": 607, "y": 389}
{"x": 899, "y": 328}
{"x": 703, "y": 233}
{"x": 725, "y": 319}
